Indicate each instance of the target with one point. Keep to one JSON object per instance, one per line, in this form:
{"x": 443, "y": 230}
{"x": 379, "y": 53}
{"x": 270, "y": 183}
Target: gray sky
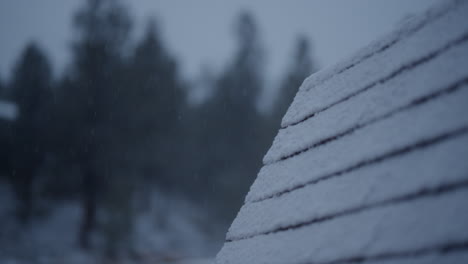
{"x": 200, "y": 32}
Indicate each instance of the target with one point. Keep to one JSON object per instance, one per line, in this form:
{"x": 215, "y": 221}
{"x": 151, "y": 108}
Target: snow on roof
{"x": 8, "y": 110}
{"x": 370, "y": 164}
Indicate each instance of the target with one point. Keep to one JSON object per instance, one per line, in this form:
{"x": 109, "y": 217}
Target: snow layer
{"x": 433, "y": 76}
{"x": 424, "y": 169}
{"x": 372, "y": 164}
{"x": 414, "y": 225}
{"x": 433, "y": 37}
{"x": 425, "y": 121}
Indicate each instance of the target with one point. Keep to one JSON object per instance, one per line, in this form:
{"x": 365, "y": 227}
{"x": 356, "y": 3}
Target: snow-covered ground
{"x": 172, "y": 230}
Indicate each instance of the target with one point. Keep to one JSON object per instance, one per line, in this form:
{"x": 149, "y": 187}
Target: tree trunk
{"x": 89, "y": 199}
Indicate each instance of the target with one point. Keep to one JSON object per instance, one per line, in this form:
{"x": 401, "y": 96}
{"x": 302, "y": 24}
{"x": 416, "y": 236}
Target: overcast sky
{"x": 200, "y": 32}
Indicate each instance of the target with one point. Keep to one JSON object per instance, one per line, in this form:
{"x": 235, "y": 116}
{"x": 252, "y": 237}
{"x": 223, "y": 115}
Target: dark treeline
{"x": 117, "y": 123}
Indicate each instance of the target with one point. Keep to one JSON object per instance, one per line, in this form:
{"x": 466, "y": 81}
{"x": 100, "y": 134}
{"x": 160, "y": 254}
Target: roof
{"x": 370, "y": 164}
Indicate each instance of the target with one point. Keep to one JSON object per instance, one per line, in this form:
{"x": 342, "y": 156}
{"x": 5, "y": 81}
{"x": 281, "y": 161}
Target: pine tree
{"x": 31, "y": 91}
{"x": 91, "y": 97}
{"x": 155, "y": 102}
{"x": 301, "y": 67}
{"x": 2, "y": 88}
{"x": 233, "y": 137}
{"x": 5, "y": 135}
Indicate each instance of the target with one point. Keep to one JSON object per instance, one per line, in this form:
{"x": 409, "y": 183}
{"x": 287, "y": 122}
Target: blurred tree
{"x": 31, "y": 90}
{"x": 301, "y": 67}
{"x": 232, "y": 135}
{"x": 196, "y": 120}
{"x": 119, "y": 120}
{"x": 102, "y": 28}
{"x": 5, "y": 140}
{"x": 2, "y": 88}
{"x": 242, "y": 82}
{"x": 154, "y": 104}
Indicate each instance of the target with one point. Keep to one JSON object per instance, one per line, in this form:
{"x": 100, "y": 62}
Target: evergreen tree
{"x": 155, "y": 101}
{"x": 242, "y": 82}
{"x": 232, "y": 132}
{"x": 30, "y": 90}
{"x": 2, "y": 88}
{"x": 92, "y": 94}
{"x": 5, "y": 135}
{"x": 301, "y": 67}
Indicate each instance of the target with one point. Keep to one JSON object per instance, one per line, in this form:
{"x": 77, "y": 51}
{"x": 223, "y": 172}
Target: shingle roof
{"x": 371, "y": 162}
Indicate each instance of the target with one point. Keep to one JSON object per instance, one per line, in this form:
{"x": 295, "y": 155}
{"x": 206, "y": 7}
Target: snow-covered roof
{"x": 8, "y": 110}
{"x": 371, "y": 162}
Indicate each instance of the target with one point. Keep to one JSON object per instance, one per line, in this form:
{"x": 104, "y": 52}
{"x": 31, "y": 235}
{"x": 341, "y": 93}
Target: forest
{"x": 117, "y": 126}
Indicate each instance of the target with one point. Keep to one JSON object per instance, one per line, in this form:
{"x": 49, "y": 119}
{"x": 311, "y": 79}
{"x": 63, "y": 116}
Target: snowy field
{"x": 176, "y": 236}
